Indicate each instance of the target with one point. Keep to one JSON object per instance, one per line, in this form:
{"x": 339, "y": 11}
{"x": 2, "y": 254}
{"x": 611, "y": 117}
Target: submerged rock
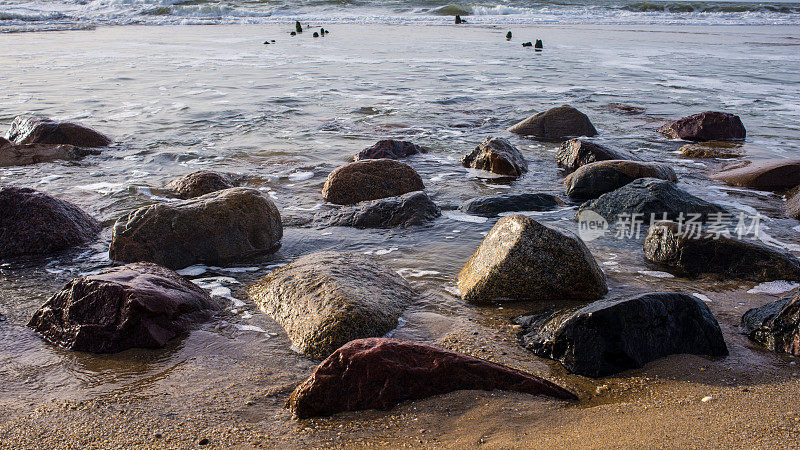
{"x": 527, "y": 44}
{"x": 215, "y": 228}
{"x": 595, "y": 179}
{"x": 767, "y": 175}
{"x": 139, "y": 305}
{"x": 25, "y": 154}
{"x": 34, "y": 223}
{"x": 575, "y": 153}
{"x": 775, "y": 325}
{"x": 200, "y": 183}
{"x": 497, "y": 155}
{"x": 609, "y": 336}
{"x": 41, "y": 130}
{"x": 414, "y": 208}
{"x": 705, "y": 126}
{"x": 379, "y": 373}
{"x": 326, "y": 299}
{"x": 389, "y": 149}
{"x": 493, "y": 205}
{"x": 370, "y": 179}
{"x": 556, "y": 124}
{"x": 713, "y": 149}
{"x": 522, "y": 259}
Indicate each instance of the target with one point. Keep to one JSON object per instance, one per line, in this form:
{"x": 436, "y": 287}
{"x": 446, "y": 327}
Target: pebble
{"x": 707, "y": 399}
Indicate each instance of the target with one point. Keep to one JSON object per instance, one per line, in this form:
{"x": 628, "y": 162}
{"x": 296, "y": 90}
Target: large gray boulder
{"x": 414, "y": 208}
{"x": 370, "y": 179}
{"x": 556, "y": 124}
{"x": 497, "y": 155}
{"x": 41, "y": 130}
{"x": 775, "y": 325}
{"x": 493, "y": 205}
{"x": 595, "y": 179}
{"x": 575, "y": 153}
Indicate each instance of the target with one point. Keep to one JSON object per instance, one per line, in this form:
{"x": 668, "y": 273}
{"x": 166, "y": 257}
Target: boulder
{"x": 497, "y": 155}
{"x": 705, "y": 126}
{"x": 669, "y": 246}
{"x": 414, "y": 208}
{"x": 556, "y": 124}
{"x": 776, "y": 325}
{"x": 370, "y": 179}
{"x": 215, "y": 228}
{"x": 4, "y": 142}
{"x": 326, "y": 299}
{"x": 793, "y": 204}
{"x": 41, "y": 130}
{"x": 34, "y": 223}
{"x": 26, "y": 154}
{"x": 389, "y": 149}
{"x": 493, "y": 205}
{"x": 713, "y": 149}
{"x": 575, "y": 153}
{"x": 379, "y": 373}
{"x": 522, "y": 259}
{"x": 597, "y": 178}
{"x": 141, "y": 305}
{"x": 609, "y": 336}
{"x": 766, "y": 175}
{"x": 200, "y": 183}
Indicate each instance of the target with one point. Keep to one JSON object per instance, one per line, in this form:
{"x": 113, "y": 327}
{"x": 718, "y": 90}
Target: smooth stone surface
{"x": 389, "y": 149}
{"x": 610, "y": 336}
{"x": 792, "y": 206}
{"x": 775, "y": 325}
{"x": 215, "y": 228}
{"x": 575, "y": 153}
{"x": 370, "y": 179}
{"x": 765, "y": 175}
{"x": 595, "y": 179}
{"x": 41, "y": 130}
{"x": 414, "y": 208}
{"x": 496, "y": 155}
{"x": 26, "y": 154}
{"x": 522, "y": 259}
{"x": 379, "y": 373}
{"x": 200, "y": 183}
{"x": 324, "y": 300}
{"x": 492, "y": 205}
{"x": 556, "y": 124}
{"x": 140, "y": 305}
{"x": 705, "y": 126}
{"x": 713, "y": 149}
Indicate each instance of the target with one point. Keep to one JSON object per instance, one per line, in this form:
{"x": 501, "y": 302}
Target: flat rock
{"x": 370, "y": 179}
{"x": 496, "y": 155}
{"x": 200, "y": 183}
{"x": 610, "y": 336}
{"x": 556, "y": 124}
{"x": 575, "y": 153}
{"x": 140, "y": 305}
{"x": 389, "y": 149}
{"x": 326, "y": 299}
{"x": 414, "y": 208}
{"x": 713, "y": 149}
{"x": 379, "y": 373}
{"x": 705, "y": 126}
{"x": 493, "y": 205}
{"x": 41, "y": 130}
{"x": 26, "y": 154}
{"x": 595, "y": 179}
{"x": 522, "y": 259}
{"x": 766, "y": 175}
{"x": 775, "y": 325}
{"x": 216, "y": 228}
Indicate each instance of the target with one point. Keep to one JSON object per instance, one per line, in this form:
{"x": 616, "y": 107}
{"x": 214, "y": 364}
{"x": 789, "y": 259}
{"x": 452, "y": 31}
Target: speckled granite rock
{"x": 575, "y": 153}
{"x": 595, "y": 179}
{"x": 492, "y": 205}
{"x": 200, "y": 183}
{"x": 556, "y": 124}
{"x": 497, "y": 155}
{"x": 705, "y": 126}
{"x": 41, "y": 130}
{"x": 370, "y": 179}
{"x": 776, "y": 325}
{"x": 414, "y": 208}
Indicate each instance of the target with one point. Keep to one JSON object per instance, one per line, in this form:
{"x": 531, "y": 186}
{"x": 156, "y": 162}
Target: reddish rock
{"x": 705, "y": 126}
{"x": 766, "y": 175}
{"x": 379, "y": 373}
{"x": 200, "y": 183}
{"x": 4, "y": 142}
{"x": 497, "y": 155}
{"x": 41, "y": 130}
{"x": 370, "y": 179}
{"x": 595, "y": 179}
{"x": 389, "y": 148}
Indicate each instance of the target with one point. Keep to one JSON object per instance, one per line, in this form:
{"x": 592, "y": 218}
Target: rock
{"x": 293, "y": 33}
{"x": 379, "y": 373}
{"x": 414, "y": 208}
{"x": 497, "y": 155}
{"x": 650, "y": 198}
{"x": 538, "y": 44}
{"x": 669, "y": 246}
{"x": 793, "y": 204}
{"x": 609, "y": 336}
{"x": 40, "y": 130}
{"x": 556, "y": 124}
{"x": 705, "y": 126}
{"x": 215, "y": 228}
{"x": 140, "y": 305}
{"x": 493, "y": 205}
{"x": 370, "y": 179}
{"x": 324, "y": 300}
{"x": 521, "y": 259}
{"x": 200, "y": 183}
{"x": 595, "y": 179}
{"x": 4, "y": 142}
{"x": 25, "y": 154}
{"x": 712, "y": 149}
{"x": 298, "y": 28}
{"x": 316, "y": 35}
{"x": 508, "y": 36}
{"x": 458, "y": 20}
{"x": 575, "y": 153}
{"x": 34, "y": 223}
{"x": 527, "y": 44}
{"x": 775, "y": 325}
{"x": 766, "y": 175}
{"x": 390, "y": 149}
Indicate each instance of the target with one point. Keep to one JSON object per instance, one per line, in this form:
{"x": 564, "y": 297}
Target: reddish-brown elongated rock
{"x": 765, "y": 175}
{"x": 705, "y": 126}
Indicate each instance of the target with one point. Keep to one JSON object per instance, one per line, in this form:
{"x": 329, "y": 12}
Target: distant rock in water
{"x": 200, "y": 183}
{"x": 140, "y": 305}
{"x": 705, "y": 126}
{"x": 508, "y": 36}
{"x": 497, "y": 155}
{"x": 712, "y": 149}
{"x": 41, "y": 130}
{"x": 26, "y": 154}
{"x": 493, "y": 205}
{"x": 775, "y": 325}
{"x": 538, "y": 44}
{"x": 370, "y": 179}
{"x": 379, "y": 373}
{"x": 34, "y": 223}
{"x": 316, "y": 35}
{"x": 414, "y": 208}
{"x": 390, "y": 149}
{"x": 595, "y": 179}
{"x": 458, "y": 20}
{"x": 527, "y": 44}
{"x": 298, "y": 28}
{"x": 766, "y": 175}
{"x": 575, "y": 153}
{"x": 556, "y": 124}
{"x": 293, "y": 33}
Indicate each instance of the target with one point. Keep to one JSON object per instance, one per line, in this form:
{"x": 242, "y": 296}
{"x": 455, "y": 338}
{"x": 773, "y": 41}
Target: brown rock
{"x": 705, "y": 126}
{"x": 25, "y": 154}
{"x": 766, "y": 175}
{"x": 41, "y": 130}
{"x": 370, "y": 179}
{"x": 595, "y": 179}
{"x": 497, "y": 155}
{"x": 713, "y": 149}
{"x": 575, "y": 153}
{"x": 200, "y": 183}
{"x": 4, "y": 142}
{"x": 556, "y": 124}
{"x": 389, "y": 149}
{"x": 793, "y": 203}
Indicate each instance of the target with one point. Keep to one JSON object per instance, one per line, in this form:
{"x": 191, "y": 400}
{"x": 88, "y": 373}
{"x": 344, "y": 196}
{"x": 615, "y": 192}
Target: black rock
{"x": 458, "y": 20}
{"x": 527, "y": 44}
{"x": 538, "y": 44}
{"x": 575, "y": 153}
{"x": 389, "y": 148}
{"x": 775, "y": 325}
{"x": 315, "y": 34}
{"x": 293, "y": 33}
{"x": 492, "y": 205}
{"x": 414, "y": 208}
{"x": 508, "y": 36}
{"x": 298, "y": 27}
{"x": 266, "y": 42}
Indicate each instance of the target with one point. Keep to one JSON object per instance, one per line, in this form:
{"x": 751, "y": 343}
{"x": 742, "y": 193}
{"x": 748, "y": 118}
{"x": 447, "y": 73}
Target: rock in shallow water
{"x": 595, "y": 179}
{"x": 26, "y": 154}
{"x": 497, "y": 155}
{"x": 492, "y": 205}
{"x": 713, "y": 149}
{"x": 370, "y": 179}
{"x": 140, "y": 305}
{"x": 41, "y": 130}
{"x": 775, "y": 325}
{"x": 575, "y": 153}
{"x": 380, "y": 373}
{"x": 414, "y": 208}
{"x": 389, "y": 149}
{"x": 200, "y": 183}
{"x": 705, "y": 126}
{"x": 609, "y": 336}
{"x": 767, "y": 175}
{"x": 793, "y": 204}
{"x": 556, "y": 124}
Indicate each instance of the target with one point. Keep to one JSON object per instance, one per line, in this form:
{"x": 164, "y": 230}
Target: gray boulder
{"x": 492, "y": 205}
{"x": 41, "y": 130}
{"x": 595, "y": 179}
{"x": 370, "y": 179}
{"x": 556, "y": 124}
{"x": 575, "y": 153}
{"x": 414, "y": 208}
{"x": 497, "y": 155}
{"x": 775, "y": 325}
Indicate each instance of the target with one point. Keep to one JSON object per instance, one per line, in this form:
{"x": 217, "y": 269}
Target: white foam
{"x": 702, "y": 297}
{"x": 656, "y": 274}
{"x": 463, "y": 217}
{"x": 250, "y": 328}
{"x": 408, "y": 272}
{"x": 103, "y": 188}
{"x": 381, "y": 251}
{"x": 774, "y": 287}
{"x": 193, "y": 271}
{"x": 301, "y": 176}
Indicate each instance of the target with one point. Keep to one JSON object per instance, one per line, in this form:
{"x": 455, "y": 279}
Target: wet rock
{"x": 493, "y": 205}
{"x": 140, "y": 305}
{"x": 705, "y": 126}
{"x": 458, "y": 20}
{"x": 610, "y": 336}
{"x": 370, "y": 179}
{"x": 414, "y": 208}
{"x": 316, "y": 35}
{"x": 522, "y": 259}
{"x": 793, "y": 204}
{"x": 712, "y": 149}
{"x": 766, "y": 175}
{"x": 34, "y": 223}
{"x": 595, "y": 179}
{"x": 556, "y": 124}
{"x": 4, "y": 142}
{"x": 215, "y": 228}
{"x": 41, "y": 130}
{"x": 25, "y": 154}
{"x": 390, "y": 149}
{"x": 293, "y": 33}
{"x": 326, "y": 299}
{"x": 527, "y": 44}
{"x": 379, "y": 373}
{"x": 575, "y": 153}
{"x": 776, "y": 325}
{"x": 682, "y": 253}
{"x": 508, "y": 36}
{"x": 297, "y": 27}
{"x": 200, "y": 183}
{"x": 538, "y": 44}
{"x": 497, "y": 155}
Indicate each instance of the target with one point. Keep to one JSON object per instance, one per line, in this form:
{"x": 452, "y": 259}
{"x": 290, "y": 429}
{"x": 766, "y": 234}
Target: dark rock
{"x": 776, "y": 325}
{"x": 595, "y": 179}
{"x": 497, "y": 155}
{"x": 4, "y": 142}
{"x": 508, "y": 36}
{"x": 25, "y": 154}
{"x": 34, "y": 223}
{"x": 293, "y": 33}
{"x": 705, "y": 126}
{"x": 414, "y": 208}
{"x": 379, "y": 373}
{"x": 522, "y": 259}
{"x": 609, "y": 336}
{"x": 266, "y": 42}
{"x": 326, "y": 299}
{"x": 527, "y": 44}
{"x": 538, "y": 44}
{"x": 322, "y": 32}
{"x": 793, "y": 204}
{"x": 298, "y": 28}
{"x": 556, "y": 124}
{"x": 390, "y": 149}
{"x": 458, "y": 20}
{"x": 575, "y": 153}
{"x": 713, "y": 149}
{"x": 767, "y": 175}
{"x": 139, "y": 305}
{"x": 669, "y": 246}
{"x": 316, "y": 35}
{"x": 200, "y": 183}
{"x": 40, "y": 130}
{"x": 370, "y": 179}
{"x": 493, "y": 205}
{"x": 203, "y": 441}
{"x": 215, "y": 228}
